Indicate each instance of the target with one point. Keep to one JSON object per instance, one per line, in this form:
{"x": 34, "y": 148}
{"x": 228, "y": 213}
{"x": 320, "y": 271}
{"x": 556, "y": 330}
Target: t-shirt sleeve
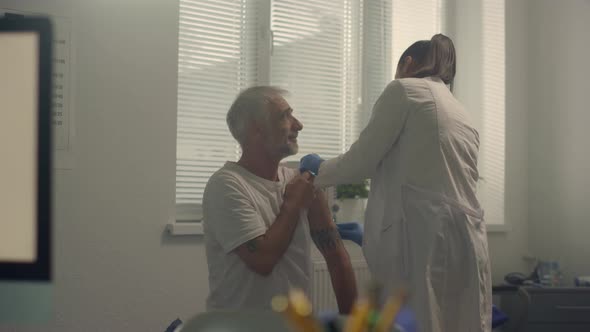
{"x": 229, "y": 215}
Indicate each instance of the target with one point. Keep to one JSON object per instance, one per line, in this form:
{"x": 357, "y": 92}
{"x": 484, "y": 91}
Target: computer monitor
{"x": 25, "y": 169}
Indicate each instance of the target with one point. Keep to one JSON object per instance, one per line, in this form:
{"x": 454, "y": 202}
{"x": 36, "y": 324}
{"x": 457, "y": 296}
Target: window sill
{"x": 184, "y": 228}
{"x": 196, "y": 228}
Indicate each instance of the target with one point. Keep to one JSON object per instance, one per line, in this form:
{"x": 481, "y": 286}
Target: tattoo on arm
{"x": 252, "y": 245}
{"x": 326, "y": 239}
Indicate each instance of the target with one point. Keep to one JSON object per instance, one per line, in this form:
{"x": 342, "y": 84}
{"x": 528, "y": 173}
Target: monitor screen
{"x": 25, "y": 170}
{"x": 25, "y": 147}
{"x": 18, "y": 173}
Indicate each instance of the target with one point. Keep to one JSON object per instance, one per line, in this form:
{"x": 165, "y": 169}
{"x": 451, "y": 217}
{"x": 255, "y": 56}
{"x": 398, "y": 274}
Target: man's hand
{"x": 264, "y": 252}
{"x": 300, "y": 192}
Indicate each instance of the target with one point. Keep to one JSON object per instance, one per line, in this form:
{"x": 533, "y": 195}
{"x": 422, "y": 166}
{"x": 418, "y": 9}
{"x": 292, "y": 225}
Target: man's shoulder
{"x": 227, "y": 172}
{"x": 224, "y": 178}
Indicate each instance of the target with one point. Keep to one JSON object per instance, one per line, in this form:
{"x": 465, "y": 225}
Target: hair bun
{"x": 442, "y": 52}
{"x": 439, "y": 38}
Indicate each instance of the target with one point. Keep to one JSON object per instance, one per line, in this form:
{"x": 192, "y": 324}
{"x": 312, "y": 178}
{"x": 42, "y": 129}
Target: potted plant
{"x": 351, "y": 201}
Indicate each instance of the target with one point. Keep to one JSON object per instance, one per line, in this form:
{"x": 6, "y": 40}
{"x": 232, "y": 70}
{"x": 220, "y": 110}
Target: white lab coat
{"x": 424, "y": 226}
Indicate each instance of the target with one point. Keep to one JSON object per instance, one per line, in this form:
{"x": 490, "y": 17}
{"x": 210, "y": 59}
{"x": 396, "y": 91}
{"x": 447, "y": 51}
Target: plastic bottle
{"x": 556, "y": 274}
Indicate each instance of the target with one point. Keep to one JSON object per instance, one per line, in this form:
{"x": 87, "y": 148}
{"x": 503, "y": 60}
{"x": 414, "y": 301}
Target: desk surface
{"x": 546, "y": 290}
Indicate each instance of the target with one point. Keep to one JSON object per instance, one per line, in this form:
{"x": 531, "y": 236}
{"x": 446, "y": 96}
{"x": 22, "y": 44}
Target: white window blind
{"x": 377, "y": 50}
{"x": 335, "y": 57}
{"x": 413, "y": 21}
{"x": 316, "y": 57}
{"x": 331, "y": 55}
{"x": 217, "y": 57}
{"x": 492, "y": 132}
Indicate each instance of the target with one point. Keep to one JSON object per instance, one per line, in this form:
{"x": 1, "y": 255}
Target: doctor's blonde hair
{"x": 251, "y": 106}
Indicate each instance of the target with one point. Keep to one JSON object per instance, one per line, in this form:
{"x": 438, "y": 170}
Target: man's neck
{"x": 260, "y": 165}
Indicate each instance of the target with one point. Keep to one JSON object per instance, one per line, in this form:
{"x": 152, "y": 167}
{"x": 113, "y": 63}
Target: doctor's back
{"x": 425, "y": 226}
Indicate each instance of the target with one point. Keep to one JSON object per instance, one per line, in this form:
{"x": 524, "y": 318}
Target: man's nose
{"x": 298, "y": 125}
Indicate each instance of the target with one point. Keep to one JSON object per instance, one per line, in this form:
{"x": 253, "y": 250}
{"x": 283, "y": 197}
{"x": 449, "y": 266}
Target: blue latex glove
{"x": 310, "y": 163}
{"x": 351, "y": 231}
{"x": 327, "y": 317}
{"x": 405, "y": 320}
{"x": 498, "y": 317}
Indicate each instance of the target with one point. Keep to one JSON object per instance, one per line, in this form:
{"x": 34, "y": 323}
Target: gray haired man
{"x": 260, "y": 218}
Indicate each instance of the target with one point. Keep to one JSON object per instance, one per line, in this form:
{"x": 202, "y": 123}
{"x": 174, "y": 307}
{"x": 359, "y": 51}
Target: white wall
{"x": 559, "y": 179}
{"x": 114, "y": 267}
{"x": 115, "y": 270}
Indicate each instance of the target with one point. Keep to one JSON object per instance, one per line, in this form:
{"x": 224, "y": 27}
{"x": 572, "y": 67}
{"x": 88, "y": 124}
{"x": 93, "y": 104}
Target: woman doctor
{"x": 424, "y": 226}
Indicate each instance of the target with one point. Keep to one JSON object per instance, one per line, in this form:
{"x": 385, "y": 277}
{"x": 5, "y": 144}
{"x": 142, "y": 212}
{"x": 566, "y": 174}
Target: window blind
{"x": 492, "y": 159}
{"x": 377, "y": 52}
{"x": 413, "y": 21}
{"x": 217, "y": 57}
{"x": 335, "y": 57}
{"x": 316, "y": 56}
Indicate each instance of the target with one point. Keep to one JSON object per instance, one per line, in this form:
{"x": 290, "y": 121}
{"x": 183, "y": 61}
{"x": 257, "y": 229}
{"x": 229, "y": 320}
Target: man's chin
{"x": 290, "y": 151}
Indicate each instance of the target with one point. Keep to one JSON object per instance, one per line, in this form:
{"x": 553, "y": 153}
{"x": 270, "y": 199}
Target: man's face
{"x": 282, "y": 130}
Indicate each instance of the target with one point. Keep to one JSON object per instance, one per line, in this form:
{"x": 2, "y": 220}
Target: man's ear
{"x": 257, "y": 129}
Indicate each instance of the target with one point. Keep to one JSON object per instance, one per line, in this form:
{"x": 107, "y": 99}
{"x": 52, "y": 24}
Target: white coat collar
{"x": 438, "y": 80}
{"x": 434, "y": 79}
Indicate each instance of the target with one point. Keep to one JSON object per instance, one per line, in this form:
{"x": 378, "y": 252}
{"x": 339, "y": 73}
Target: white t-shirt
{"x": 239, "y": 206}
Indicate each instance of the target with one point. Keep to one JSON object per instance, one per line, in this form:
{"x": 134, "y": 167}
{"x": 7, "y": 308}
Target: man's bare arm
{"x": 327, "y": 239}
{"x": 261, "y": 254}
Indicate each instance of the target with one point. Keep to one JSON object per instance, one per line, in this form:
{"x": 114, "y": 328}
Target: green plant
{"x": 359, "y": 190}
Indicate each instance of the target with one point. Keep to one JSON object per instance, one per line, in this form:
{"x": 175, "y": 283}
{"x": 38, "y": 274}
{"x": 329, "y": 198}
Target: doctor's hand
{"x": 300, "y": 192}
{"x": 310, "y": 163}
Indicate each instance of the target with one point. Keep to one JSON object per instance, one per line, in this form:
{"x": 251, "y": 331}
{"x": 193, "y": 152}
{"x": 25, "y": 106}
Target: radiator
{"x": 322, "y": 294}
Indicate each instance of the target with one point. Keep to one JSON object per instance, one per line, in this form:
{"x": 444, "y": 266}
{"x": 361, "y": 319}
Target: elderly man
{"x": 260, "y": 218}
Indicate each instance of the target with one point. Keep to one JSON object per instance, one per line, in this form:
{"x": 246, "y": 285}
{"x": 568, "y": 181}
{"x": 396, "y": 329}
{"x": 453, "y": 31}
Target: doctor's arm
{"x": 327, "y": 239}
{"x": 384, "y": 128}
